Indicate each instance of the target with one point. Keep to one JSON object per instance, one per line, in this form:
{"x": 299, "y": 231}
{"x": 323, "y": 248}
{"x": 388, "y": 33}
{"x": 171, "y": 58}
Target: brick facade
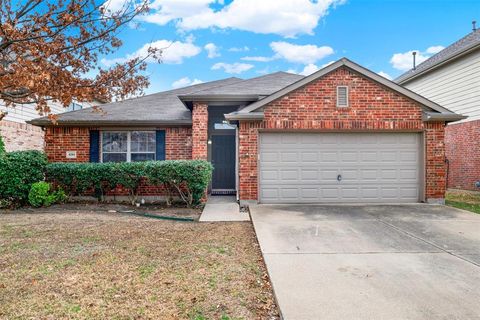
{"x": 200, "y": 131}
{"x": 59, "y": 140}
{"x": 21, "y": 136}
{"x": 462, "y": 150}
{"x": 371, "y": 107}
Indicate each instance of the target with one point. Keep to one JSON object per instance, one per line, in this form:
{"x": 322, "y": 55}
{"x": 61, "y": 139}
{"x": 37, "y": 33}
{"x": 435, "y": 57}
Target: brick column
{"x": 435, "y": 162}
{"x": 199, "y": 131}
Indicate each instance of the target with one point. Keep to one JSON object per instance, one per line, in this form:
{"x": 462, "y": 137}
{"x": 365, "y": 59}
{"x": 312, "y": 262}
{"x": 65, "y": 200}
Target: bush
{"x": 77, "y": 178}
{"x": 187, "y": 178}
{"x": 18, "y": 171}
{"x": 130, "y": 176}
{"x": 41, "y": 195}
{"x": 2, "y": 146}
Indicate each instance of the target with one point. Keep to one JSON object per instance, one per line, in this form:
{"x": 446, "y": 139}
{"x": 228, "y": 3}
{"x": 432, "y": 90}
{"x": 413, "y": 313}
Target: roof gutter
{"x": 447, "y": 117}
{"x": 222, "y": 98}
{"x": 244, "y": 116}
{"x": 435, "y": 66}
{"x": 114, "y": 123}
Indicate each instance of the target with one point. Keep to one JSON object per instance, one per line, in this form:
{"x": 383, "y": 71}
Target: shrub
{"x": 2, "y": 146}
{"x": 130, "y": 176}
{"x": 187, "y": 178}
{"x": 41, "y": 194}
{"x": 18, "y": 171}
{"x": 77, "y": 178}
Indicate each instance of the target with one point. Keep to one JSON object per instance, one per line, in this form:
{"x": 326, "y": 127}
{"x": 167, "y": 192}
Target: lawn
{"x": 464, "y": 200}
{"x": 79, "y": 264}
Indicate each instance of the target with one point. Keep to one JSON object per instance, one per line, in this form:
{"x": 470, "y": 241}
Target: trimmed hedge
{"x": 18, "y": 171}
{"x": 2, "y": 146}
{"x": 187, "y": 178}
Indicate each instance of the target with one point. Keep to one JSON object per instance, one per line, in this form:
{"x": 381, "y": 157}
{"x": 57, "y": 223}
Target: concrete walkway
{"x": 371, "y": 262}
{"x": 222, "y": 208}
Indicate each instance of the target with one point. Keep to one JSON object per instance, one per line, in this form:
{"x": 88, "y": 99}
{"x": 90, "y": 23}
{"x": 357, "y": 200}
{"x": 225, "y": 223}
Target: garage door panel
{"x": 375, "y": 167}
{"x": 289, "y": 175}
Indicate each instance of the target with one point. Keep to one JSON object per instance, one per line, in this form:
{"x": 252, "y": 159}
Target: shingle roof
{"x": 167, "y": 107}
{"x": 158, "y": 108}
{"x": 261, "y": 86}
{"x": 470, "y": 42}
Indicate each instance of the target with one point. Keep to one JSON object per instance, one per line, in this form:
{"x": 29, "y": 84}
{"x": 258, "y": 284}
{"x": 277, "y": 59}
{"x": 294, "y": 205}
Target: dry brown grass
{"x": 83, "y": 265}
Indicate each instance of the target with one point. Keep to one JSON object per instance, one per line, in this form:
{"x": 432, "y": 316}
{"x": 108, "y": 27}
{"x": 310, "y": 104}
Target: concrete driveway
{"x": 371, "y": 262}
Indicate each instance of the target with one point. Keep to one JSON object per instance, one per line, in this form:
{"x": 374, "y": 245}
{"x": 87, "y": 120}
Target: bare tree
{"x": 47, "y": 49}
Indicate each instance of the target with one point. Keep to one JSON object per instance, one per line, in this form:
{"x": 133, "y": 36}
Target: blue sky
{"x": 212, "y": 39}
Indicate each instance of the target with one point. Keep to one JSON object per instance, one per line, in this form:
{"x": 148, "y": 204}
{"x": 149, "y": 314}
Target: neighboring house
{"x": 343, "y": 134}
{"x": 17, "y": 134}
{"x": 451, "y": 78}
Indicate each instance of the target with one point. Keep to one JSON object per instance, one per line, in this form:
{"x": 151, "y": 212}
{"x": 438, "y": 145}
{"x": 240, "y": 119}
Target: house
{"x": 451, "y": 78}
{"x": 19, "y": 135}
{"x": 343, "y": 134}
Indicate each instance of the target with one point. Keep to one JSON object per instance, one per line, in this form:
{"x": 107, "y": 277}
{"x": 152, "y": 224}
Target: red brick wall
{"x": 21, "y": 136}
{"x": 59, "y": 140}
{"x": 462, "y": 142}
{"x": 371, "y": 107}
{"x": 200, "y": 131}
{"x": 178, "y": 143}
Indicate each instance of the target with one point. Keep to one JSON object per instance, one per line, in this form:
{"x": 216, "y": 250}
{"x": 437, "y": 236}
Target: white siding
{"x": 22, "y": 113}
{"x": 455, "y": 86}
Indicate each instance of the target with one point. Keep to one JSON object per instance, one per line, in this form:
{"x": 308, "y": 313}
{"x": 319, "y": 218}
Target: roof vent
{"x": 474, "y": 25}
{"x": 342, "y": 96}
{"x": 414, "y": 53}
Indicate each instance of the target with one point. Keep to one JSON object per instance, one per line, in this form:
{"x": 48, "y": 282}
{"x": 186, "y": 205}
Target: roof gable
{"x": 255, "y": 107}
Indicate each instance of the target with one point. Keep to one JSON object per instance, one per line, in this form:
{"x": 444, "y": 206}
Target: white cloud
{"x": 185, "y": 81}
{"x": 239, "y": 49}
{"x": 434, "y": 49}
{"x": 310, "y": 68}
{"x": 257, "y": 59}
{"x": 385, "y": 75}
{"x": 404, "y": 61}
{"x": 212, "y": 50}
{"x": 172, "y": 52}
{"x": 235, "y": 68}
{"x": 287, "y": 18}
{"x": 305, "y": 54}
{"x": 115, "y": 5}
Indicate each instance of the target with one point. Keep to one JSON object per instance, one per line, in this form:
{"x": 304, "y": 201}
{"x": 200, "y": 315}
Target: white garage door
{"x": 339, "y": 167}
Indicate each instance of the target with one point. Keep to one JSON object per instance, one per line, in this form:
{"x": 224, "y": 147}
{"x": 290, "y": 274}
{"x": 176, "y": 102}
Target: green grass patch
{"x": 469, "y": 201}
{"x": 464, "y": 205}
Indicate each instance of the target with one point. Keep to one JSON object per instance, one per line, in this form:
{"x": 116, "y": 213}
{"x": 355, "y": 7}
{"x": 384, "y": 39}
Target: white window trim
{"x": 129, "y": 139}
{"x": 348, "y": 97}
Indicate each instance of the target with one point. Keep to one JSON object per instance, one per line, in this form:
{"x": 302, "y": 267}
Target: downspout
{"x": 236, "y": 163}
{"x": 447, "y": 173}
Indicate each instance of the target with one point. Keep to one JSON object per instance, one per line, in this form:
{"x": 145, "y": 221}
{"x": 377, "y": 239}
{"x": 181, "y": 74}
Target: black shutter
{"x": 160, "y": 148}
{"x": 94, "y": 146}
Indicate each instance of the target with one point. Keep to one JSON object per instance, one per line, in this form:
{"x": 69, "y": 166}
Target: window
{"x": 121, "y": 146}
{"x": 342, "y": 96}
{"x": 224, "y": 126}
{"x": 74, "y": 106}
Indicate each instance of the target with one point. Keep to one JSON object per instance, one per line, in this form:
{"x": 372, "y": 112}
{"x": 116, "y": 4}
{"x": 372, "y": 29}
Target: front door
{"x": 223, "y": 161}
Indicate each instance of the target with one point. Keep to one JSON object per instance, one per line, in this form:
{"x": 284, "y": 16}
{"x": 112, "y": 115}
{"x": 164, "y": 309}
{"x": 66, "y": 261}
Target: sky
{"x": 205, "y": 40}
